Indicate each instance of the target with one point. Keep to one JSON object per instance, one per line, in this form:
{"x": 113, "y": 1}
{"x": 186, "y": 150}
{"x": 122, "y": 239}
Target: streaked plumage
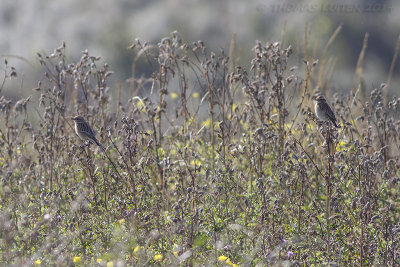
{"x": 324, "y": 111}
{"x": 84, "y": 131}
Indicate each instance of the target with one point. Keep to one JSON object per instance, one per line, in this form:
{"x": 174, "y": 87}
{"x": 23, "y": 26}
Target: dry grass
{"x": 206, "y": 163}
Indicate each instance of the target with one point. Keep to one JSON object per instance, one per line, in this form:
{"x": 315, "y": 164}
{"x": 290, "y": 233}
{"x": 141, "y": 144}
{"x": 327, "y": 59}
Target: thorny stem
{"x": 211, "y": 111}
{"x": 328, "y": 178}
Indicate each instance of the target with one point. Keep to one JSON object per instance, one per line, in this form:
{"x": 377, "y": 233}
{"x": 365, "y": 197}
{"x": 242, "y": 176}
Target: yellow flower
{"x": 99, "y": 260}
{"x": 195, "y": 95}
{"x": 191, "y": 120}
{"x": 110, "y": 264}
{"x": 195, "y": 162}
{"x": 37, "y": 262}
{"x": 235, "y": 265}
{"x": 206, "y": 123}
{"x": 77, "y": 259}
{"x": 174, "y": 95}
{"x": 139, "y": 105}
{"x": 121, "y": 221}
{"x": 158, "y": 257}
{"x": 222, "y": 258}
{"x": 341, "y": 145}
{"x": 245, "y": 125}
{"x": 175, "y": 253}
{"x": 136, "y": 249}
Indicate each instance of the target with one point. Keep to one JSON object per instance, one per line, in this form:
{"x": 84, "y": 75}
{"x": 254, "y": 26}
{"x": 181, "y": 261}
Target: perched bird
{"x": 84, "y": 131}
{"x": 324, "y": 111}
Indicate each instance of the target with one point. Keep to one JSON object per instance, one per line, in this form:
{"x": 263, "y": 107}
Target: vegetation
{"x": 206, "y": 163}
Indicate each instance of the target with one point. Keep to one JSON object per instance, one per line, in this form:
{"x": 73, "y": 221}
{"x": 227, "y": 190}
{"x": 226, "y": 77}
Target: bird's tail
{"x": 336, "y": 125}
{"x": 97, "y": 143}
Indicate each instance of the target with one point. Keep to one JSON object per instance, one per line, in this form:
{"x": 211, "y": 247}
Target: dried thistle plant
{"x": 207, "y": 163}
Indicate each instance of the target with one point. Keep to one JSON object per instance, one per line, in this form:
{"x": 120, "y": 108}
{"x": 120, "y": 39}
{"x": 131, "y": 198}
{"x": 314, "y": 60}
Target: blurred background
{"x": 107, "y": 28}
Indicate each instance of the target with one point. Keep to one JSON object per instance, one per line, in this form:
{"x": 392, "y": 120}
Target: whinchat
{"x": 324, "y": 112}
{"x": 83, "y": 130}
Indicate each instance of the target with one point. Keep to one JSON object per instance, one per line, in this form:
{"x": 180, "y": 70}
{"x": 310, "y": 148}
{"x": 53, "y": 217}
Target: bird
{"x": 83, "y": 130}
{"x": 324, "y": 111}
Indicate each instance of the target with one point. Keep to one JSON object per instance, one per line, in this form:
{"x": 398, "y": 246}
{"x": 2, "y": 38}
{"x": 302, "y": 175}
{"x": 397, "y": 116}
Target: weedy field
{"x": 206, "y": 163}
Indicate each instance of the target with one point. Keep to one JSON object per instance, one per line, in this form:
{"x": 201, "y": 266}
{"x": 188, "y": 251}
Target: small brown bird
{"x": 83, "y": 130}
{"x": 324, "y": 111}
